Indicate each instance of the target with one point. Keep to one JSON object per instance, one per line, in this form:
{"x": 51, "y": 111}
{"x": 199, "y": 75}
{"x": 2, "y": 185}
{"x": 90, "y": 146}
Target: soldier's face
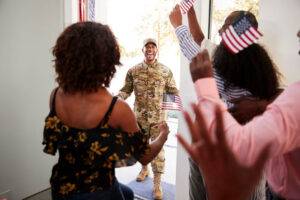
{"x": 150, "y": 51}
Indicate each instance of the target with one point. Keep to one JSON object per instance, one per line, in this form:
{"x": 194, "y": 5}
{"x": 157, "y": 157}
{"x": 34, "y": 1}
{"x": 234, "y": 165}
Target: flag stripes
{"x": 185, "y": 5}
{"x": 171, "y": 102}
{"x": 240, "y": 35}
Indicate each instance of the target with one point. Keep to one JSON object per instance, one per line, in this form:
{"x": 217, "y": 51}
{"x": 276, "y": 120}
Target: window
{"x": 220, "y": 9}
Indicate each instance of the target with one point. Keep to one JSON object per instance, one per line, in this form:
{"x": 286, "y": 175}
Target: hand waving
{"x": 201, "y": 66}
{"x": 224, "y": 176}
{"x": 176, "y": 17}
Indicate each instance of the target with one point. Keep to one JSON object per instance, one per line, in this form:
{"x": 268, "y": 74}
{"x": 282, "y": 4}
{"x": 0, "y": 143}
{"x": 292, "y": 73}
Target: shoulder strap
{"x": 108, "y": 113}
{"x": 52, "y": 100}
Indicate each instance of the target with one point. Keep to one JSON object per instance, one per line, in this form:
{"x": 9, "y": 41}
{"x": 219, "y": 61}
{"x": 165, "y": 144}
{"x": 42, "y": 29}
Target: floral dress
{"x": 88, "y": 157}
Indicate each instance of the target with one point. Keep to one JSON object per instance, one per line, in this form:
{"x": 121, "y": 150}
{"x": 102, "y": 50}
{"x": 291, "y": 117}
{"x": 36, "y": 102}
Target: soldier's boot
{"x": 157, "y": 190}
{"x": 143, "y": 174}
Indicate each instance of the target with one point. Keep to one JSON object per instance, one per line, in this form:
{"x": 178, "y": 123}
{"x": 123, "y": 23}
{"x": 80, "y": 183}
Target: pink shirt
{"x": 278, "y": 126}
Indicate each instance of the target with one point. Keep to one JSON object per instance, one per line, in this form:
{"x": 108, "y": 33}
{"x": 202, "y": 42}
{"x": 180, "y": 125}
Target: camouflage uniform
{"x": 149, "y": 83}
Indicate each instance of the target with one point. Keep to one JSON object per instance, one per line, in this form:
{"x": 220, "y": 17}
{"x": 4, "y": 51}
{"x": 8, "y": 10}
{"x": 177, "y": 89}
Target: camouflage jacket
{"x": 149, "y": 83}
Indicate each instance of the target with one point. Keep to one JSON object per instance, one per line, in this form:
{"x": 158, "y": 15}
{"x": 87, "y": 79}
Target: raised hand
{"x": 175, "y": 16}
{"x": 224, "y": 176}
{"x": 201, "y": 66}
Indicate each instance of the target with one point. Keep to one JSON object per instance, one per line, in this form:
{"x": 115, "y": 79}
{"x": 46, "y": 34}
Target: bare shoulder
{"x": 122, "y": 106}
{"x": 123, "y": 117}
{"x": 52, "y": 97}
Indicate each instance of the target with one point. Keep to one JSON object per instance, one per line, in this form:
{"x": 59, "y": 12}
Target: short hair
{"x": 85, "y": 57}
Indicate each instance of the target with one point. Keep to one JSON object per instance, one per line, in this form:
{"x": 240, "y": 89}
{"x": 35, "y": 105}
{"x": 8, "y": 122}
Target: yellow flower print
{"x": 65, "y": 128}
{"x": 119, "y": 139}
{"x": 91, "y": 155}
{"x": 70, "y": 158}
{"x": 128, "y": 155}
{"x": 82, "y": 136}
{"x": 67, "y": 188}
{"x": 104, "y": 135}
{"x": 53, "y": 138}
{"x": 95, "y": 175}
{"x": 97, "y": 149}
{"x": 90, "y": 178}
{"x": 131, "y": 134}
{"x": 51, "y": 123}
{"x": 93, "y": 188}
{"x": 87, "y": 161}
{"x": 114, "y": 157}
{"x": 107, "y": 164}
{"x": 105, "y": 125}
{"x": 50, "y": 148}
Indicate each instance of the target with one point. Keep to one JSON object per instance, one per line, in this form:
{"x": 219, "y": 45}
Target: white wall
{"x": 280, "y": 21}
{"x": 28, "y": 31}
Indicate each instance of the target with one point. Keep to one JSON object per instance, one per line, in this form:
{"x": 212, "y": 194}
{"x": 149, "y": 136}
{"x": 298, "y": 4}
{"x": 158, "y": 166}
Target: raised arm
{"x": 195, "y": 28}
{"x": 188, "y": 46}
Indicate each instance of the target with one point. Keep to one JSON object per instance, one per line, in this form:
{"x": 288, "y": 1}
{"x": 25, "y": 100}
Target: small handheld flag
{"x": 91, "y": 10}
{"x": 185, "y": 5}
{"x": 86, "y": 10}
{"x": 171, "y": 102}
{"x": 240, "y": 35}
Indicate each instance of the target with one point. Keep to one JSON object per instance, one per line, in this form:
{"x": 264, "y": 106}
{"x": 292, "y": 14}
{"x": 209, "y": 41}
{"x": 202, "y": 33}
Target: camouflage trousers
{"x": 158, "y": 163}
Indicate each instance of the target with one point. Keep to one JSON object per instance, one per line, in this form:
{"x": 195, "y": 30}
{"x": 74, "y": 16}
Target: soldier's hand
{"x": 164, "y": 129}
{"x": 175, "y": 16}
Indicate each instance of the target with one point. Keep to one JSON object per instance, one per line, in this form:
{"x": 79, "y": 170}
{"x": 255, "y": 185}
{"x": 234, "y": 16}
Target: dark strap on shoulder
{"x": 108, "y": 113}
{"x": 52, "y": 100}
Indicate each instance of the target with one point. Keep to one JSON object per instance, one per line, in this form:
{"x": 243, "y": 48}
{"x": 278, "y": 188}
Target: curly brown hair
{"x": 86, "y": 54}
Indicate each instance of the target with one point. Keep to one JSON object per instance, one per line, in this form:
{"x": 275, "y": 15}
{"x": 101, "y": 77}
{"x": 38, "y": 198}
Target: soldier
{"x": 150, "y": 80}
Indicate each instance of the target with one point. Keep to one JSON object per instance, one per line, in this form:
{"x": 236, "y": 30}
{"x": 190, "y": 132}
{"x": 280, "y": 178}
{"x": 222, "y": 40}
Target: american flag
{"x": 240, "y": 35}
{"x": 185, "y": 5}
{"x": 91, "y": 10}
{"x": 86, "y": 10}
{"x": 82, "y": 10}
{"x": 171, "y": 102}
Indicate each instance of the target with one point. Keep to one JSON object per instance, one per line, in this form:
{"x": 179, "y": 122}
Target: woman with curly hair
{"x": 92, "y": 130}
